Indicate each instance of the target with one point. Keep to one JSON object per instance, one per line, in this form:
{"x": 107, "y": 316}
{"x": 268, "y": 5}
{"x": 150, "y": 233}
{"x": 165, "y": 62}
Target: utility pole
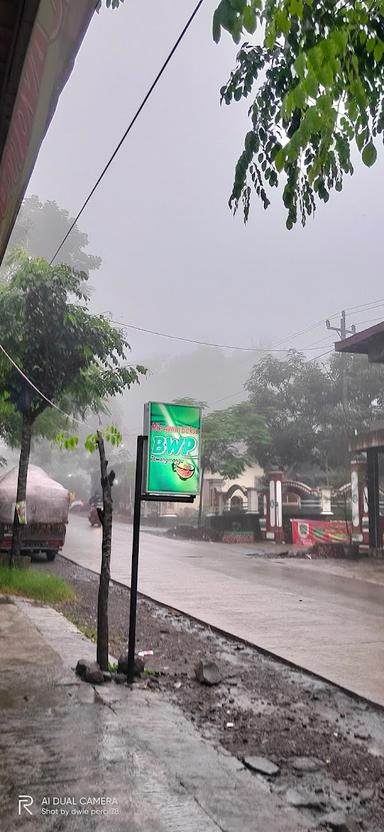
{"x": 342, "y": 332}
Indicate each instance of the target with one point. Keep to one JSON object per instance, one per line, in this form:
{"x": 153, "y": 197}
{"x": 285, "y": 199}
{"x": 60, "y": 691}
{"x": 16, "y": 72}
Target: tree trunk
{"x": 21, "y": 494}
{"x": 201, "y": 497}
{"x": 105, "y": 572}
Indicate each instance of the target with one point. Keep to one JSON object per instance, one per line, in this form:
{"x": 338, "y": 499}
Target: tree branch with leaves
{"x": 93, "y": 442}
{"x": 318, "y": 69}
{"x": 229, "y": 440}
{"x": 46, "y": 328}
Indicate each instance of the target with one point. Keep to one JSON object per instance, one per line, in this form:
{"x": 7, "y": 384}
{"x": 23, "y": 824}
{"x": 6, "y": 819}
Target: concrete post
{"x": 325, "y": 500}
{"x": 253, "y": 501}
{"x": 359, "y": 501}
{"x": 373, "y": 499}
{"x": 274, "y": 524}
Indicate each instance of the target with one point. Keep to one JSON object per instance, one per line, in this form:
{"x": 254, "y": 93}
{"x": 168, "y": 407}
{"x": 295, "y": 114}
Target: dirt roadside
{"x": 262, "y": 707}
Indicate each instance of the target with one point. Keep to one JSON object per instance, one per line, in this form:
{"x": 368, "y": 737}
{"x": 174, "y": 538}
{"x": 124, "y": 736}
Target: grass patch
{"x": 31, "y": 583}
{"x": 87, "y": 629}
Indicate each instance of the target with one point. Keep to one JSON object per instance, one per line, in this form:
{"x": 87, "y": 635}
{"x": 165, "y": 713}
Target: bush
{"x": 31, "y": 583}
{"x": 329, "y": 550}
{"x": 194, "y": 533}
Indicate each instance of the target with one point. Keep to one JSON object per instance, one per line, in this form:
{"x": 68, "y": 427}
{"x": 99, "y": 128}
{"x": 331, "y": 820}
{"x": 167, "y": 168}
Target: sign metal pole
{"x": 135, "y": 559}
{"x": 174, "y": 433}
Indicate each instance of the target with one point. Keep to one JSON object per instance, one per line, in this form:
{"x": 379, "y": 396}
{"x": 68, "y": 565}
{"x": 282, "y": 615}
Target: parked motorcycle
{"x": 93, "y": 515}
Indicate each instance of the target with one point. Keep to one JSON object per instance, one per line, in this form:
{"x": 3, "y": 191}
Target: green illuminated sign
{"x": 173, "y": 457}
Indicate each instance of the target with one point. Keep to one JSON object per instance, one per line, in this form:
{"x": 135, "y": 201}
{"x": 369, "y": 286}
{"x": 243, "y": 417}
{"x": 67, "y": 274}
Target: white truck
{"x": 47, "y": 506}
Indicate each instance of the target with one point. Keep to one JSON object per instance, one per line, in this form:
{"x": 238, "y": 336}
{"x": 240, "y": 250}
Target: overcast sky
{"x": 174, "y": 257}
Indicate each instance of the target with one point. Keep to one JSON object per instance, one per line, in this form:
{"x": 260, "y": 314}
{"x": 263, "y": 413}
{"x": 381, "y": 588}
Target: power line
{"x": 239, "y": 392}
{"x": 370, "y": 321}
{"x": 129, "y": 128}
{"x": 316, "y": 357}
{"x": 201, "y": 343}
{"x": 236, "y": 347}
{"x": 366, "y": 306}
{"x": 39, "y": 392}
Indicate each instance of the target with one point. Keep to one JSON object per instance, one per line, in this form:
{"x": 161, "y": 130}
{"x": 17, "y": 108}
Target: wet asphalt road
{"x": 325, "y": 616}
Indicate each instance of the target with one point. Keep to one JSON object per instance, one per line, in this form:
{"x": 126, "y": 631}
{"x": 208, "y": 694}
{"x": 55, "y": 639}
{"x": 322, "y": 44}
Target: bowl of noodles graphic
{"x": 184, "y": 469}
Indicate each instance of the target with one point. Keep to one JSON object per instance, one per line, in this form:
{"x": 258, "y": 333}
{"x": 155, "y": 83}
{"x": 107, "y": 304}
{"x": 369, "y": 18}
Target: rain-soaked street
{"x": 326, "y": 616}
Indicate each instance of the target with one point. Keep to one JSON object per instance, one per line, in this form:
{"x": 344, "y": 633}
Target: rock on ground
{"x": 339, "y": 822}
{"x": 81, "y": 667}
{"x": 262, "y": 765}
{"x": 120, "y": 678}
{"x": 304, "y": 800}
{"x": 307, "y": 764}
{"x": 207, "y": 673}
{"x": 90, "y": 672}
{"x": 93, "y": 674}
{"x": 107, "y": 676}
{"x": 122, "y": 666}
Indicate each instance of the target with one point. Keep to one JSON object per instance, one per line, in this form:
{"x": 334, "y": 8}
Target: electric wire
{"x": 170, "y": 337}
{"x": 129, "y": 128}
{"x": 119, "y": 323}
{"x": 36, "y": 389}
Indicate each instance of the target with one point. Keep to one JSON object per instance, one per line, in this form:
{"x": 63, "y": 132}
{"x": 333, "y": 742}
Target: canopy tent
{"x": 47, "y": 500}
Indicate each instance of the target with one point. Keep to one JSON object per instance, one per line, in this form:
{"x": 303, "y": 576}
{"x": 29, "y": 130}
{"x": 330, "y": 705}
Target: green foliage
{"x": 319, "y": 71}
{"x": 302, "y": 404}
{"x": 227, "y": 436}
{"x": 67, "y": 442}
{"x": 188, "y": 401}
{"x": 111, "y": 434}
{"x": 113, "y": 4}
{"x": 69, "y": 354}
{"x": 39, "y": 224}
{"x": 33, "y": 583}
{"x": 70, "y": 442}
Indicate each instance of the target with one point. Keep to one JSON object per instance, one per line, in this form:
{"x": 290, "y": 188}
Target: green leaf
{"x": 361, "y": 139}
{"x": 288, "y": 105}
{"x": 310, "y": 85}
{"x": 315, "y": 58}
{"x": 300, "y": 65}
{"x": 325, "y": 75}
{"x": 313, "y": 119}
{"x": 216, "y": 26}
{"x": 251, "y": 142}
{"x": 250, "y": 20}
{"x": 369, "y": 154}
{"x": 340, "y": 39}
{"x": 279, "y": 160}
{"x": 270, "y": 36}
{"x": 370, "y": 44}
{"x": 296, "y": 8}
{"x": 238, "y": 5}
{"x": 282, "y": 22}
{"x": 91, "y": 443}
{"x": 378, "y": 51}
